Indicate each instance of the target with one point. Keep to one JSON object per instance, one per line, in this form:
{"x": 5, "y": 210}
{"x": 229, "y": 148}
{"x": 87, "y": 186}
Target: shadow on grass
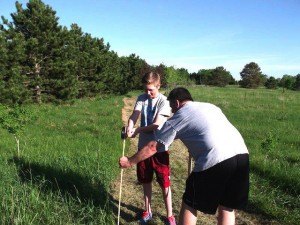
{"x": 128, "y": 217}
{"x": 130, "y": 213}
{"x": 254, "y": 208}
{"x": 69, "y": 183}
{"x": 285, "y": 183}
{"x": 63, "y": 182}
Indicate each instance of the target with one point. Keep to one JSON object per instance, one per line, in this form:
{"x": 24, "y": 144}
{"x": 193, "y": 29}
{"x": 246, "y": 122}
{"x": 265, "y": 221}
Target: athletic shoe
{"x": 146, "y": 217}
{"x": 171, "y": 221}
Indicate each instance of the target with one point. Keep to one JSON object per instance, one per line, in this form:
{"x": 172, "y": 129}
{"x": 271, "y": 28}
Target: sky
{"x": 191, "y": 34}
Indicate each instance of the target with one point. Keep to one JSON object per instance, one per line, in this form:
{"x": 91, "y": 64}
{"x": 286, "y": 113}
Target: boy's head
{"x": 151, "y": 83}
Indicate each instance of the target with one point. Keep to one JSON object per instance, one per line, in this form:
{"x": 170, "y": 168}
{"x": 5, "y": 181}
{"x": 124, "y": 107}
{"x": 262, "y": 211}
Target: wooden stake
{"x": 120, "y": 191}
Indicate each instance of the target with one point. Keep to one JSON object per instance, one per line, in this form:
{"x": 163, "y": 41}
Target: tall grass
{"x": 68, "y": 159}
{"x": 269, "y": 121}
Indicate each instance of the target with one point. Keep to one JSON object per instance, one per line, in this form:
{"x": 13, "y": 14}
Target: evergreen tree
{"x": 204, "y": 76}
{"x": 135, "y": 68}
{"x": 297, "y": 83}
{"x": 161, "y": 70}
{"x": 287, "y": 81}
{"x": 251, "y": 76}
{"x": 220, "y": 77}
{"x": 3, "y": 62}
{"x": 46, "y": 66}
{"x": 39, "y": 25}
{"x": 271, "y": 83}
{"x": 91, "y": 61}
{"x": 13, "y": 79}
{"x": 263, "y": 79}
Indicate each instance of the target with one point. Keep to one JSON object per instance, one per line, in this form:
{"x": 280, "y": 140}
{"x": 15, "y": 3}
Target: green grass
{"x": 69, "y": 157}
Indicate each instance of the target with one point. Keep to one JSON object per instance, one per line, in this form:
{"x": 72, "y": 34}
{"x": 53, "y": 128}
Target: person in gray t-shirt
{"x": 154, "y": 109}
{"x": 220, "y": 179}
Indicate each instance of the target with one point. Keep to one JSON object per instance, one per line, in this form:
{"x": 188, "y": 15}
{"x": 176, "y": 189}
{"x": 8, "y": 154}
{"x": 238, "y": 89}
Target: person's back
{"x": 206, "y": 131}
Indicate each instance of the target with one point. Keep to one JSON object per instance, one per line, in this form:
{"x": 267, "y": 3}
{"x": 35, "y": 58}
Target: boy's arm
{"x": 132, "y": 121}
{"x": 159, "y": 119}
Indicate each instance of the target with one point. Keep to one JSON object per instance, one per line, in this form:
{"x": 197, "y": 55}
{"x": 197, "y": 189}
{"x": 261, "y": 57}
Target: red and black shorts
{"x": 158, "y": 163}
{"x": 226, "y": 184}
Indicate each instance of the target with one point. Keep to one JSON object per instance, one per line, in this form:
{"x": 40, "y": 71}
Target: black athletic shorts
{"x": 226, "y": 184}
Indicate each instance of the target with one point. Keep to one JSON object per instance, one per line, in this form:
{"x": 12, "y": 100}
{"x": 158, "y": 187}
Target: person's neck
{"x": 182, "y": 104}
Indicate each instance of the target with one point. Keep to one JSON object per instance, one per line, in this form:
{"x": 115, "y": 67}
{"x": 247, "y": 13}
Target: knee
{"x": 225, "y": 216}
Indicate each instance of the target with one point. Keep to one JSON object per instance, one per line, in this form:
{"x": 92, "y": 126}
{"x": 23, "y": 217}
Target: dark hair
{"x": 181, "y": 94}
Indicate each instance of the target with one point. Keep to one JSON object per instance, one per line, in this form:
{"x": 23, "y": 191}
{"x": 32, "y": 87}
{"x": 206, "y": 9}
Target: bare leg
{"x": 147, "y": 196}
{"x": 168, "y": 200}
{"x": 226, "y": 216}
{"x": 188, "y": 215}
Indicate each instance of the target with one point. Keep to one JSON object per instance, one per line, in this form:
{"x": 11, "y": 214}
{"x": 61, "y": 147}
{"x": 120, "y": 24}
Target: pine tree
{"x": 94, "y": 75}
{"x": 3, "y": 62}
{"x": 220, "y": 77}
{"x": 46, "y": 67}
{"x": 271, "y": 83}
{"x": 296, "y": 86}
{"x": 251, "y": 75}
{"x": 13, "y": 79}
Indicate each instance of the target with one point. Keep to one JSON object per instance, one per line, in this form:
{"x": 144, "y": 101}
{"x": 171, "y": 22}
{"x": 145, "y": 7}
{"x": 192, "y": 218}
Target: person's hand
{"x": 129, "y": 131}
{"x": 124, "y": 162}
{"x": 133, "y": 132}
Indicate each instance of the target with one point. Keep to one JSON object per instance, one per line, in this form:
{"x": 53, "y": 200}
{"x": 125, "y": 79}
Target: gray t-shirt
{"x": 206, "y": 132}
{"x": 150, "y": 108}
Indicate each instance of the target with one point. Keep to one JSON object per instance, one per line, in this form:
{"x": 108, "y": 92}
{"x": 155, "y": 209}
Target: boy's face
{"x": 151, "y": 90}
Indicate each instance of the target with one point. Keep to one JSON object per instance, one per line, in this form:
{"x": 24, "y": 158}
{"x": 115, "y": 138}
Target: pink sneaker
{"x": 146, "y": 217}
{"x": 171, "y": 221}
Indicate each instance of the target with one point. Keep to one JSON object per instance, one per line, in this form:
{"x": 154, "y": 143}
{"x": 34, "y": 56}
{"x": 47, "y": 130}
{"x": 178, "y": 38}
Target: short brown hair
{"x": 151, "y": 78}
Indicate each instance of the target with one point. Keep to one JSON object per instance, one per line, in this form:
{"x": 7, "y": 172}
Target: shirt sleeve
{"x": 164, "y": 108}
{"x": 139, "y": 103}
{"x": 165, "y": 136}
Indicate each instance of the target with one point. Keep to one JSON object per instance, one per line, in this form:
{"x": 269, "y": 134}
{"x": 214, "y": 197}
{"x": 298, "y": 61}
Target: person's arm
{"x": 159, "y": 119}
{"x": 132, "y": 121}
{"x": 146, "y": 152}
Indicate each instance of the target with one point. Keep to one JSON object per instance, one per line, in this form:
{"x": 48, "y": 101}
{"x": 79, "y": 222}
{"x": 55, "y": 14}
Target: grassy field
{"x": 69, "y": 157}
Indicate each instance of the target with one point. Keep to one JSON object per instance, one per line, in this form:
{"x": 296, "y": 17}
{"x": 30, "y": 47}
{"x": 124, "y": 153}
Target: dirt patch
{"x": 132, "y": 192}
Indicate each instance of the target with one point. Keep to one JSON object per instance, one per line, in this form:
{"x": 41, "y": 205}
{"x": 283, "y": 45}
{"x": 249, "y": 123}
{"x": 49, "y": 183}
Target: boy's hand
{"x": 133, "y": 132}
{"x": 124, "y": 162}
{"x": 129, "y": 131}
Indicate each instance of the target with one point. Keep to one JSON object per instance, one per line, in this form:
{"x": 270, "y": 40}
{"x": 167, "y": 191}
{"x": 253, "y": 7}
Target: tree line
{"x": 43, "y": 61}
{"x": 251, "y": 77}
